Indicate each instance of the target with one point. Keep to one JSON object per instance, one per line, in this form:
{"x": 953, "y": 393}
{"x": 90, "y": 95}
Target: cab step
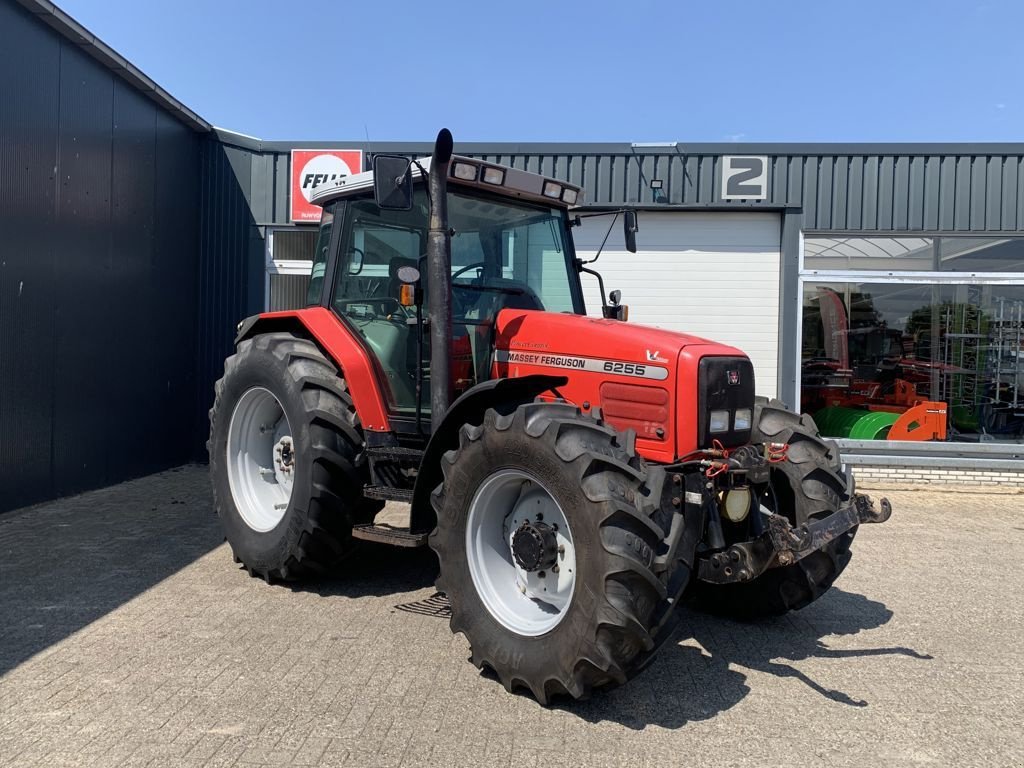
{"x": 388, "y": 493}
{"x": 385, "y": 534}
{"x": 394, "y": 452}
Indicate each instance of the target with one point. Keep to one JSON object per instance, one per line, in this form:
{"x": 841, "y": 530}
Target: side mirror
{"x": 392, "y": 182}
{"x": 629, "y": 229}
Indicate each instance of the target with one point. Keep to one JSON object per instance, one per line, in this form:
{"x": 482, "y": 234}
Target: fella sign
{"x": 314, "y": 167}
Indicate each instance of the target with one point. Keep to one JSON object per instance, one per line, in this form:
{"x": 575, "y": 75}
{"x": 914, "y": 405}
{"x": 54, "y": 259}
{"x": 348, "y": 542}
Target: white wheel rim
{"x": 260, "y": 459}
{"x": 528, "y": 603}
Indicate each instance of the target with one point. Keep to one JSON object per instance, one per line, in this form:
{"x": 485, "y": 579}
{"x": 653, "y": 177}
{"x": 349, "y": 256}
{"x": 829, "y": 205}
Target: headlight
{"x": 719, "y": 421}
{"x": 737, "y": 504}
{"x": 569, "y": 196}
{"x": 743, "y": 419}
{"x": 493, "y": 175}
{"x": 464, "y": 171}
{"x": 551, "y": 189}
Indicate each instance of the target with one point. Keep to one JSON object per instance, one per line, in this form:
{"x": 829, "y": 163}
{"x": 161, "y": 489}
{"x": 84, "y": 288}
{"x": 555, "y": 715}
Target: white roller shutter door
{"x": 715, "y": 275}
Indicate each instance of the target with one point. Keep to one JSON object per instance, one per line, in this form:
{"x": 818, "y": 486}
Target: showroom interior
{"x": 878, "y": 287}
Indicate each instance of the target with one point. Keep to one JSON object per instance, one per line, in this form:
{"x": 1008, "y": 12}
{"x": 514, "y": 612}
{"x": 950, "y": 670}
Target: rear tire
{"x": 590, "y": 477}
{"x": 308, "y": 530}
{"x": 810, "y": 484}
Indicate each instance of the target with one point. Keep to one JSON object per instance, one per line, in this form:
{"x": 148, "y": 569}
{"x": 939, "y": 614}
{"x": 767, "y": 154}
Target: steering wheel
{"x": 474, "y": 265}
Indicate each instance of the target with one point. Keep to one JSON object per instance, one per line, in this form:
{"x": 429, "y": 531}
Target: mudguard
{"x": 337, "y": 342}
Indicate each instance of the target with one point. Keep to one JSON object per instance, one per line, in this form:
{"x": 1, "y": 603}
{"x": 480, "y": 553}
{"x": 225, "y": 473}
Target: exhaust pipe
{"x": 439, "y": 287}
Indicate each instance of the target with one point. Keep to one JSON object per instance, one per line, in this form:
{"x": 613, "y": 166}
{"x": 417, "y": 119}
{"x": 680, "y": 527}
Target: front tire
{"x": 574, "y": 492}
{"x": 810, "y": 484}
{"x": 286, "y": 459}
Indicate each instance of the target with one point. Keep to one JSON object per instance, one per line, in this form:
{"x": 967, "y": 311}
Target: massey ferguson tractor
{"x": 578, "y": 477}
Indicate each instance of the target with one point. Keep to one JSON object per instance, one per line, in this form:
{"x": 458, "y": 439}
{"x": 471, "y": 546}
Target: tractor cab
{"x": 510, "y": 249}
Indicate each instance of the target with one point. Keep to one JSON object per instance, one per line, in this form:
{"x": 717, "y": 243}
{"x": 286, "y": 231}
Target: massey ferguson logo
{"x": 733, "y": 377}
{"x": 313, "y": 169}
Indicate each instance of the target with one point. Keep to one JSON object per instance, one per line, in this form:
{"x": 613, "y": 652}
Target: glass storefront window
{"x": 884, "y": 360}
{"x": 890, "y": 254}
{"x": 972, "y": 255}
{"x": 981, "y": 254}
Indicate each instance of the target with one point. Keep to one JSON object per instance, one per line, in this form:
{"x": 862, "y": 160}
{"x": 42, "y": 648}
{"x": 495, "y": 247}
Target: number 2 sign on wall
{"x": 744, "y": 177}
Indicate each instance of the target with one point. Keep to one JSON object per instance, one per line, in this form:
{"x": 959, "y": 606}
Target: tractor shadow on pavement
{"x": 685, "y": 683}
{"x": 376, "y": 569}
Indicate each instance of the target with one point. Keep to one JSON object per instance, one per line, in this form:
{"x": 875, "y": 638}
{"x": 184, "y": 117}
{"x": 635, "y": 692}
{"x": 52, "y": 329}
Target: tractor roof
{"x": 467, "y": 172}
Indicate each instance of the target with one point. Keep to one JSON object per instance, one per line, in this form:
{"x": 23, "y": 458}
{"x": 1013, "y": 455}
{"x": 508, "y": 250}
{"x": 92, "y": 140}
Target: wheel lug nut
{"x": 554, "y": 568}
{"x": 541, "y": 574}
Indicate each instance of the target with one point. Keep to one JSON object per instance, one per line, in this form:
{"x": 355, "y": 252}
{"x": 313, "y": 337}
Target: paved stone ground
{"x": 129, "y": 638}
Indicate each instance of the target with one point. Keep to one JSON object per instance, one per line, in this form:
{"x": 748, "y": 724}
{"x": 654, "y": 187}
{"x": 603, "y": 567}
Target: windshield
{"x": 508, "y": 248}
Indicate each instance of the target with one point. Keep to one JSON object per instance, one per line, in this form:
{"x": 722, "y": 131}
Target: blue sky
{"x": 548, "y": 70}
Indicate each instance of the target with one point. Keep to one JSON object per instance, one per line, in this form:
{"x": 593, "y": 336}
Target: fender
{"x": 505, "y": 395}
{"x": 337, "y": 343}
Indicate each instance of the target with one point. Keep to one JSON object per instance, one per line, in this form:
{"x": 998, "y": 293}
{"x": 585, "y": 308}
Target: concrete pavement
{"x": 128, "y": 637}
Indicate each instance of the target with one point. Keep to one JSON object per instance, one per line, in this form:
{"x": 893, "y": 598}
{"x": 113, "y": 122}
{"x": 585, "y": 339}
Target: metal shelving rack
{"x": 1002, "y": 363}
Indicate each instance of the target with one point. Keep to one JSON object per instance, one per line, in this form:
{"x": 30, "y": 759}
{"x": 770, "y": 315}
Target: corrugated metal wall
{"x": 924, "y": 192}
{"x": 231, "y": 266}
{"x": 846, "y": 188}
{"x": 98, "y": 272}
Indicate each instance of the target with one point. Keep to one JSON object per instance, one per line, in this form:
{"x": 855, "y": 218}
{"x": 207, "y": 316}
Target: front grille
{"x": 716, "y": 392}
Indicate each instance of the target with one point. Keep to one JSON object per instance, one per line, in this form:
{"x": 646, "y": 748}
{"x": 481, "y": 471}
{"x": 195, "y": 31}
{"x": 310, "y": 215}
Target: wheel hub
{"x": 284, "y": 460}
{"x": 535, "y": 546}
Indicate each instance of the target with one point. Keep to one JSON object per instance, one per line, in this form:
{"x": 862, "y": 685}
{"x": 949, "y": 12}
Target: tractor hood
{"x": 553, "y": 333}
{"x": 646, "y": 379}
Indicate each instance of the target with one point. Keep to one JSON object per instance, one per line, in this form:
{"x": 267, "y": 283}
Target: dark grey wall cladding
{"x": 951, "y": 193}
{"x": 98, "y": 264}
{"x": 954, "y": 188}
{"x": 231, "y": 266}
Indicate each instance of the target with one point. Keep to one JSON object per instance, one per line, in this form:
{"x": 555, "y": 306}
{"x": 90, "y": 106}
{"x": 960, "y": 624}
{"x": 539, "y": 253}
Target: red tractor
{"x": 577, "y": 477}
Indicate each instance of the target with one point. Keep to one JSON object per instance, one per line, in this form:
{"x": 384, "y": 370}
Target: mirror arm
{"x": 600, "y": 280}
{"x": 600, "y": 213}
{"x": 601, "y": 247}
{"x": 425, "y": 175}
